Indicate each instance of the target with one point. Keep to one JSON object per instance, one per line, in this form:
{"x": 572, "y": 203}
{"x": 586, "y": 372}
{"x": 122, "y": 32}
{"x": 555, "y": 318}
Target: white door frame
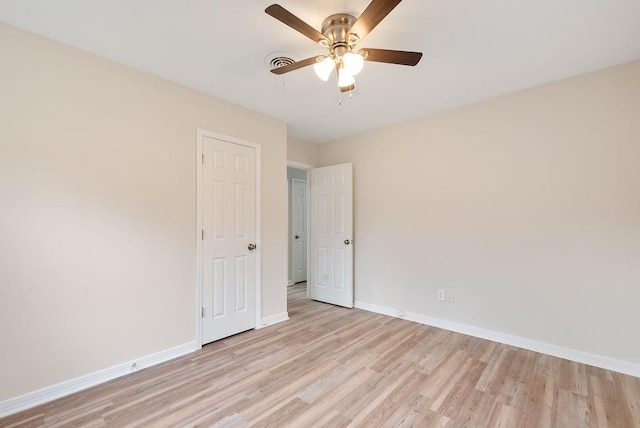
{"x": 258, "y": 306}
{"x": 306, "y": 225}
{"x": 305, "y": 167}
{"x": 300, "y": 165}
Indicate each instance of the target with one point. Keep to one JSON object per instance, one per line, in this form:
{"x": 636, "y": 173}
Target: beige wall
{"x": 302, "y": 151}
{"x": 526, "y": 206}
{"x": 97, "y": 210}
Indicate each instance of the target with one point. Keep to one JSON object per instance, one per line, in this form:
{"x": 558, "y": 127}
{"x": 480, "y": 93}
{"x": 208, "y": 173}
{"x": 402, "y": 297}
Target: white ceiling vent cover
{"x": 279, "y": 59}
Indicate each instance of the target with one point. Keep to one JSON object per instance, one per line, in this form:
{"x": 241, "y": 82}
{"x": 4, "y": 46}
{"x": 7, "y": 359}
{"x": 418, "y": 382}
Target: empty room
{"x": 320, "y": 214}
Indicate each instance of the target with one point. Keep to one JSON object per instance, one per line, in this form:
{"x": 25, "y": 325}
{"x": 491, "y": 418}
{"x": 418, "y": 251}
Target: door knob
{"x": 252, "y": 247}
{"x": 347, "y": 242}
{"x": 297, "y": 236}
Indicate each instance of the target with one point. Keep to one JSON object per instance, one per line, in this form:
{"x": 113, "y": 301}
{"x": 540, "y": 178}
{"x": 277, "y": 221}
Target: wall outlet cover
{"x": 451, "y": 298}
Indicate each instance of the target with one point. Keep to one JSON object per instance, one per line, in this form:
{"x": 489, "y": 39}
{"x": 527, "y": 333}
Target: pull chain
{"x": 349, "y": 96}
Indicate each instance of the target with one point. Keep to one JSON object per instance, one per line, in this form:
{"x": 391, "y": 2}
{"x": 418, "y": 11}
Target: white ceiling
{"x": 472, "y": 50}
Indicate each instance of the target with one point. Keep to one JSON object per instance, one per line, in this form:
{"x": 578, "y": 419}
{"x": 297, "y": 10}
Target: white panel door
{"x": 229, "y": 231}
{"x": 331, "y": 235}
{"x": 299, "y": 232}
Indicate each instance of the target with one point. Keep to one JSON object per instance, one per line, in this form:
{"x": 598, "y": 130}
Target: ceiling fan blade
{"x": 372, "y": 15}
{"x": 297, "y": 65}
{"x": 283, "y": 15}
{"x": 391, "y": 56}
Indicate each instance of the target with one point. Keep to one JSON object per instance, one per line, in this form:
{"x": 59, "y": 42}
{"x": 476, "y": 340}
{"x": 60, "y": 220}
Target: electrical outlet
{"x": 441, "y": 297}
{"x": 451, "y": 298}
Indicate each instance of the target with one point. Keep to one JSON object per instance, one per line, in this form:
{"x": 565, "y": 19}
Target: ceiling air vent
{"x": 278, "y": 59}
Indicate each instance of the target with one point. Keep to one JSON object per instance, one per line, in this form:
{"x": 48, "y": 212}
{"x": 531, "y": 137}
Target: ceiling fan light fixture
{"x": 340, "y": 34}
{"x": 324, "y": 68}
{"x": 345, "y": 79}
{"x": 353, "y": 62}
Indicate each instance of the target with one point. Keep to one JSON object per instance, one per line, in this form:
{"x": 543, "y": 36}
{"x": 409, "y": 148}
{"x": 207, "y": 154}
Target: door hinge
{"x": 202, "y": 312}
{"x": 202, "y": 236}
{"x": 203, "y": 159}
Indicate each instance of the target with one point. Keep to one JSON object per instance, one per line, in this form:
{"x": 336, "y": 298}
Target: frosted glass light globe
{"x": 345, "y": 79}
{"x": 324, "y": 68}
{"x": 353, "y": 62}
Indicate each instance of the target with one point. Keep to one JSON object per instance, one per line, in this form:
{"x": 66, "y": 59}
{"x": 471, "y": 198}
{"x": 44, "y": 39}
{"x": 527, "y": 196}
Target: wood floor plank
{"x": 366, "y": 397}
{"x": 412, "y": 410}
{"x": 474, "y": 409}
{"x": 608, "y": 403}
{"x": 275, "y": 396}
{"x": 289, "y": 411}
{"x": 330, "y": 401}
{"x": 335, "y": 367}
{"x": 631, "y": 392}
{"x": 445, "y": 377}
{"x": 20, "y": 421}
{"x": 234, "y": 420}
{"x": 433, "y": 419}
{"x": 539, "y": 402}
{"x": 382, "y": 412}
{"x": 329, "y": 383}
{"x": 332, "y": 420}
{"x": 503, "y": 416}
{"x": 463, "y": 395}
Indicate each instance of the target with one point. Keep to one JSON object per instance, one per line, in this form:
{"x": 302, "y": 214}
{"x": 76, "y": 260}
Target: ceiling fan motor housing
{"x": 336, "y": 29}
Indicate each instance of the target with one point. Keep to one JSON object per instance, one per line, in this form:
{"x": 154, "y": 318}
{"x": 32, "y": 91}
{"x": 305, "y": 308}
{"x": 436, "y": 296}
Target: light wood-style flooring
{"x": 335, "y": 367}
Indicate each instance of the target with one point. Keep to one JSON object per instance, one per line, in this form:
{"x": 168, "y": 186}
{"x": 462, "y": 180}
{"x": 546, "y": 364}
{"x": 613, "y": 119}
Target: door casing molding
{"x": 306, "y": 225}
{"x": 308, "y": 168}
{"x": 201, "y": 133}
{"x": 300, "y": 165}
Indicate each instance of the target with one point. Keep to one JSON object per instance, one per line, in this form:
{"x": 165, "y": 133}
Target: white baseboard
{"x": 274, "y": 319}
{"x": 290, "y": 283}
{"x": 31, "y": 399}
{"x": 595, "y": 360}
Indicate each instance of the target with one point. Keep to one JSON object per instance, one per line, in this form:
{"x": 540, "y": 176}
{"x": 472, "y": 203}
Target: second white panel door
{"x": 331, "y": 235}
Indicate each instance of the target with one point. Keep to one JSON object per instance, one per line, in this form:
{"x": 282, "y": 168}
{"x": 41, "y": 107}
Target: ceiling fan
{"x": 340, "y": 34}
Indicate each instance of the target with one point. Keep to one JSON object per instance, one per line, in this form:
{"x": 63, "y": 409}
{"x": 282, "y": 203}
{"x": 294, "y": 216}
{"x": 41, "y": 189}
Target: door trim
{"x": 258, "y": 304}
{"x": 306, "y": 224}
{"x": 299, "y": 165}
{"x": 305, "y": 167}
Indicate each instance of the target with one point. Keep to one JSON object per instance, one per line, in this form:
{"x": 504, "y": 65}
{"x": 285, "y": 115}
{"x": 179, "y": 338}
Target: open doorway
{"x": 297, "y": 189}
{"x": 321, "y": 232}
